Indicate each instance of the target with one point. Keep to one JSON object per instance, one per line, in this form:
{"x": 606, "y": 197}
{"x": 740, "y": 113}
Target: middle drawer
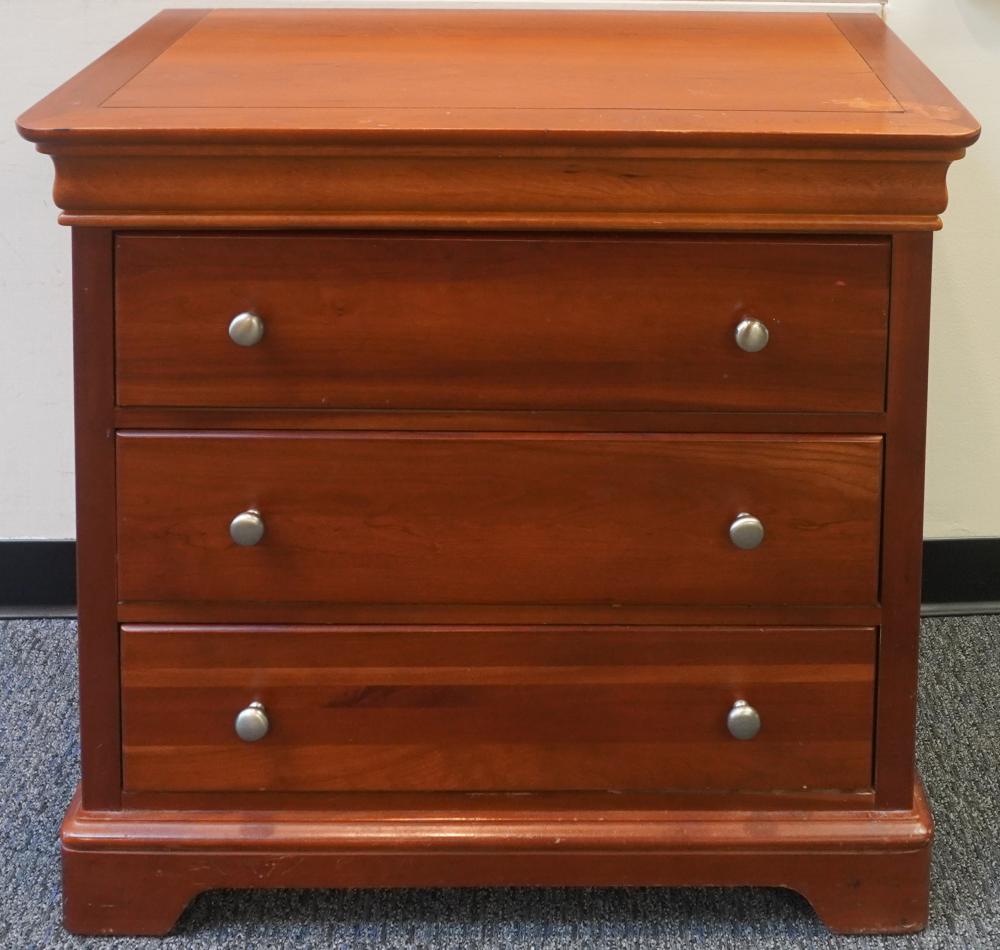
{"x": 498, "y": 519}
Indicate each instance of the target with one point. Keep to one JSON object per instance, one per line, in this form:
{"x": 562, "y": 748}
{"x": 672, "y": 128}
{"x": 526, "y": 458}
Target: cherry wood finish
{"x": 650, "y": 804}
{"x": 501, "y": 323}
{"x": 498, "y": 519}
{"x": 530, "y": 448}
{"x": 200, "y": 611}
{"x": 902, "y": 519}
{"x": 472, "y": 420}
{"x": 519, "y": 709}
{"x": 621, "y": 120}
{"x": 279, "y": 61}
{"x": 96, "y": 580}
{"x": 863, "y": 871}
{"x": 295, "y": 76}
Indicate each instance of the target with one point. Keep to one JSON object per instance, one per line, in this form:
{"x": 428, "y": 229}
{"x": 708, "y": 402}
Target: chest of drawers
{"x": 499, "y": 454}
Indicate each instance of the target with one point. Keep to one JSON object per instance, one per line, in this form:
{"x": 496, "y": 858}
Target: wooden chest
{"x": 499, "y": 454}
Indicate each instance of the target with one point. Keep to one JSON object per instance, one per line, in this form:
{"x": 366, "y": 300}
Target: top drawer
{"x": 493, "y": 322}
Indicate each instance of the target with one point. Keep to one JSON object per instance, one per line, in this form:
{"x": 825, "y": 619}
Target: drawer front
{"x": 501, "y": 323}
{"x": 496, "y": 709}
{"x": 498, "y": 519}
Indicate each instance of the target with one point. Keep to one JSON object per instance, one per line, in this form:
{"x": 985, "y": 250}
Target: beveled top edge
{"x": 73, "y": 115}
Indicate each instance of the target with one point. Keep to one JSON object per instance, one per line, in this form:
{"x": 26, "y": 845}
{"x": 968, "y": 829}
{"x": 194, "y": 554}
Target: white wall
{"x": 960, "y": 41}
{"x": 43, "y": 42}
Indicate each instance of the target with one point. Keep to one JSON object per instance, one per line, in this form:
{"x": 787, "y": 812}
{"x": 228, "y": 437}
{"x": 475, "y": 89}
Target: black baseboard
{"x": 964, "y": 572}
{"x": 37, "y": 577}
{"x": 960, "y": 576}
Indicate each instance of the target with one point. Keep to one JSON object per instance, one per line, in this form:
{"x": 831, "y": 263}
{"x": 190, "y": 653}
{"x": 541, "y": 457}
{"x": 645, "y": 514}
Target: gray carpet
{"x": 959, "y": 751}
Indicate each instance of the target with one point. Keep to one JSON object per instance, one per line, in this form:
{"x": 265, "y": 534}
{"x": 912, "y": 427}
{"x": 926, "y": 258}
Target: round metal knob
{"x": 246, "y": 329}
{"x": 751, "y": 335}
{"x": 746, "y": 532}
{"x": 252, "y": 723}
{"x": 247, "y": 528}
{"x": 743, "y": 721}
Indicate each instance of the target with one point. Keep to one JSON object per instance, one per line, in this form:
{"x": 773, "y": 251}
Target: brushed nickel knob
{"x": 246, "y": 329}
{"x": 746, "y": 532}
{"x": 252, "y": 723}
{"x": 751, "y": 335}
{"x": 247, "y": 528}
{"x": 743, "y": 721}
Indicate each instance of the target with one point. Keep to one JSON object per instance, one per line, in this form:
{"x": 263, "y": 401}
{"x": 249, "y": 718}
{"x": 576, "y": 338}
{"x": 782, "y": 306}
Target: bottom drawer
{"x": 496, "y": 709}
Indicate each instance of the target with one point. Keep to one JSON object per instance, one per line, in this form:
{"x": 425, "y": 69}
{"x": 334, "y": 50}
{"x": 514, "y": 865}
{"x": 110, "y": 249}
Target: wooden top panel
{"x": 311, "y": 59}
{"x": 531, "y": 77}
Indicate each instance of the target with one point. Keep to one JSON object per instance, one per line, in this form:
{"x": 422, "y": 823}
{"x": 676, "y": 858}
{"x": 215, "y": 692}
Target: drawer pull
{"x": 252, "y": 723}
{"x": 247, "y": 528}
{"x": 743, "y": 721}
{"x": 751, "y": 335}
{"x": 247, "y": 329}
{"x": 746, "y": 532}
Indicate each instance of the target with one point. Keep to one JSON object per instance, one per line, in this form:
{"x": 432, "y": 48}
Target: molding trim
{"x": 733, "y": 189}
{"x": 133, "y": 871}
{"x": 961, "y": 576}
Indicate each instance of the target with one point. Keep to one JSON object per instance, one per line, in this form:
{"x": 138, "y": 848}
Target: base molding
{"x": 134, "y": 872}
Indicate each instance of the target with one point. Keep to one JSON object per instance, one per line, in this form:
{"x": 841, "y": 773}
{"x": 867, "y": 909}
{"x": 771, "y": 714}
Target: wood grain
{"x": 96, "y": 550}
{"x": 479, "y": 825}
{"x": 597, "y": 120}
{"x": 913, "y": 85}
{"x": 501, "y": 323}
{"x": 478, "y": 420}
{"x": 489, "y": 76}
{"x": 356, "y": 59}
{"x": 903, "y": 520}
{"x": 649, "y": 805}
{"x": 498, "y": 519}
{"x": 497, "y": 462}
{"x": 133, "y": 872}
{"x": 491, "y": 710}
{"x": 345, "y": 187}
{"x": 201, "y": 611}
